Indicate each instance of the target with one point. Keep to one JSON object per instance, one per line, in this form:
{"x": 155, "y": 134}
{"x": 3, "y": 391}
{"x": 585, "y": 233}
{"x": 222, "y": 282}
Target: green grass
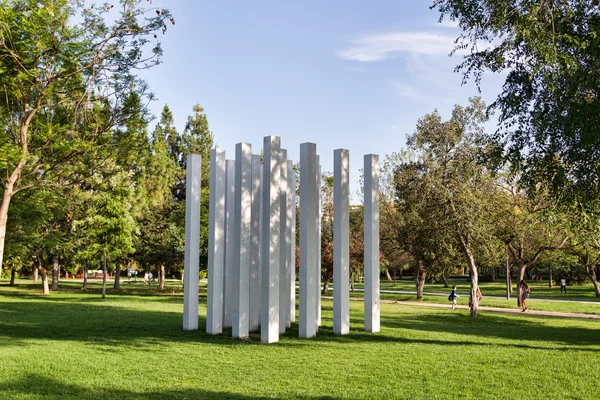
{"x": 73, "y": 345}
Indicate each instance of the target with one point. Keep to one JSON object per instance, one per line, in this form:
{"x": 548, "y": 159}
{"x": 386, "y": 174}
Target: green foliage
{"x": 549, "y": 105}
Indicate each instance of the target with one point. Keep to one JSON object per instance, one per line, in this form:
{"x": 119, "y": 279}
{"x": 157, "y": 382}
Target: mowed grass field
{"x": 74, "y": 345}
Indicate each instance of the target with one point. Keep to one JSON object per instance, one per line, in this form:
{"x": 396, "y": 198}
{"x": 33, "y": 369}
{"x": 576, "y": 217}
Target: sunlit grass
{"x": 73, "y": 345}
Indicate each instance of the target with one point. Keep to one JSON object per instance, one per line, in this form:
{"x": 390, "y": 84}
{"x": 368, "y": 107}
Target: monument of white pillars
{"x": 309, "y": 215}
{"x": 252, "y": 249}
{"x": 341, "y": 242}
{"x": 284, "y": 286}
{"x": 290, "y": 241}
{"x": 255, "y": 266}
{"x": 241, "y": 241}
{"x": 270, "y": 243}
{"x": 192, "y": 242}
{"x": 371, "y": 252}
{"x": 229, "y": 248}
{"x": 216, "y": 243}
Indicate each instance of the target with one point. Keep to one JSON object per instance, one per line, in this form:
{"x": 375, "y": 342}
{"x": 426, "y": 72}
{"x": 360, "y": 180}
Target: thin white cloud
{"x": 380, "y": 47}
{"x": 448, "y": 24}
{"x": 410, "y": 92}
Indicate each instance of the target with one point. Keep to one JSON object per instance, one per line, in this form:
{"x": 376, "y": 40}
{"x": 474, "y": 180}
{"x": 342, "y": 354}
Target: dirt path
{"x": 491, "y": 309}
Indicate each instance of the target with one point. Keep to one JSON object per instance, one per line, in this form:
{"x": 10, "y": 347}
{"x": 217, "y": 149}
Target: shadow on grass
{"x": 33, "y": 385}
{"x": 77, "y": 317}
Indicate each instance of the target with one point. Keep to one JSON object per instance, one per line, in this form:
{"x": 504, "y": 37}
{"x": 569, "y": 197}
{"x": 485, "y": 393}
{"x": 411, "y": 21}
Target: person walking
{"x": 453, "y": 297}
{"x": 563, "y": 285}
{"x": 524, "y": 295}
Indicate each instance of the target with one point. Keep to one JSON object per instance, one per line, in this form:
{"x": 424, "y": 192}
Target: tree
{"x": 64, "y": 85}
{"x": 108, "y": 223}
{"x": 549, "y": 106}
{"x": 413, "y": 215}
{"x": 450, "y": 155}
{"x": 531, "y": 225}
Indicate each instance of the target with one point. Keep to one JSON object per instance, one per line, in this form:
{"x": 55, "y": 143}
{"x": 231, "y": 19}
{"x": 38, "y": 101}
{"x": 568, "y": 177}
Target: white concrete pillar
{"x": 255, "y": 267}
{"x": 192, "y": 242}
{"x": 319, "y": 231}
{"x": 371, "y": 224}
{"x": 229, "y": 248}
{"x": 309, "y": 215}
{"x": 290, "y": 241}
{"x": 341, "y": 242}
{"x": 216, "y": 243}
{"x": 270, "y": 243}
{"x": 284, "y": 286}
{"x": 241, "y": 241}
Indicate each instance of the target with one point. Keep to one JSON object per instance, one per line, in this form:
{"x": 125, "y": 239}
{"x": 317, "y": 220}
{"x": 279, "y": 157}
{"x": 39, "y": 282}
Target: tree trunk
{"x": 420, "y": 280}
{"x": 522, "y": 268}
{"x": 12, "y": 277}
{"x": 45, "y": 289}
{"x": 591, "y": 272}
{"x": 445, "y": 279}
{"x": 36, "y": 272}
{"x": 550, "y": 284}
{"x": 421, "y": 284}
{"x": 117, "y": 275}
{"x": 394, "y": 277}
{"x": 14, "y": 177}
{"x": 387, "y": 275}
{"x": 493, "y": 274}
{"x": 104, "y": 270}
{"x": 84, "y": 286}
{"x": 55, "y": 272}
{"x": 466, "y": 247}
{"x": 352, "y": 281}
{"x": 161, "y": 277}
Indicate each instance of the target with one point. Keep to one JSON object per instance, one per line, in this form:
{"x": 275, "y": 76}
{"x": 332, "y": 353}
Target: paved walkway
{"x": 491, "y": 309}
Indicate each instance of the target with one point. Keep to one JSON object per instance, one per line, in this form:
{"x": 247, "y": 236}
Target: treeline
{"x": 449, "y": 203}
{"x": 126, "y": 211}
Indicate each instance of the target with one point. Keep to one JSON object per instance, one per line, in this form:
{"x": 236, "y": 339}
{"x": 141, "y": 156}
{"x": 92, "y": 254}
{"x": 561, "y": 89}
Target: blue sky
{"x": 341, "y": 74}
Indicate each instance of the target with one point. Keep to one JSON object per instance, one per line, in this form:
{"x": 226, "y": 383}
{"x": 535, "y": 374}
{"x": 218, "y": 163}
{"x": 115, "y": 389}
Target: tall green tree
{"x": 108, "y": 222}
{"x": 67, "y": 67}
{"x": 549, "y": 107}
{"x": 450, "y": 155}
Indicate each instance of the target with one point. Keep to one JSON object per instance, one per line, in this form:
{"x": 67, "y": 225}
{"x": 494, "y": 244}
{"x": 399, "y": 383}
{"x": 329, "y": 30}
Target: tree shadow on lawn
{"x": 104, "y": 324}
{"x": 34, "y": 386}
{"x": 530, "y": 328}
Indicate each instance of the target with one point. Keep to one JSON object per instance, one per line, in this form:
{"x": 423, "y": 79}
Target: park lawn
{"x": 73, "y": 345}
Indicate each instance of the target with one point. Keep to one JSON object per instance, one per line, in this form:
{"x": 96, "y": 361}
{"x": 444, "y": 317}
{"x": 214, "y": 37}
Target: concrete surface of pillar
{"x": 216, "y": 243}
{"x": 241, "y": 241}
{"x": 270, "y": 243}
{"x": 371, "y": 252}
{"x": 192, "y": 242}
{"x": 309, "y": 215}
{"x": 341, "y": 242}
{"x": 229, "y": 248}
{"x": 255, "y": 267}
{"x": 284, "y": 286}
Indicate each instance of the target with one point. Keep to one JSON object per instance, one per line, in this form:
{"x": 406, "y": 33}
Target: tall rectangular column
{"x": 284, "y": 286}
{"x": 229, "y": 248}
{"x": 192, "y": 242}
{"x": 255, "y": 266}
{"x": 309, "y": 215}
{"x": 241, "y": 241}
{"x": 341, "y": 242}
{"x": 371, "y": 224}
{"x": 319, "y": 232}
{"x": 291, "y": 241}
{"x": 216, "y": 243}
{"x": 270, "y": 243}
